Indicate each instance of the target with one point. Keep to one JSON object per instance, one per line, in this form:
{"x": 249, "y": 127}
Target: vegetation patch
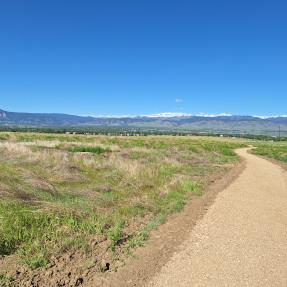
{"x": 90, "y": 149}
{"x": 276, "y": 151}
{"x": 59, "y": 199}
{"x": 6, "y": 280}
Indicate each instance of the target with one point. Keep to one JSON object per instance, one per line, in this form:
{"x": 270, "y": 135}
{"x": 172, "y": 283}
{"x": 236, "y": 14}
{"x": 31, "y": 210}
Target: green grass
{"x": 143, "y": 235}
{"x": 192, "y": 187}
{"x": 61, "y": 198}
{"x": 276, "y": 151}
{"x": 116, "y": 233}
{"x": 91, "y": 149}
{"x": 35, "y": 231}
{"x": 6, "y": 280}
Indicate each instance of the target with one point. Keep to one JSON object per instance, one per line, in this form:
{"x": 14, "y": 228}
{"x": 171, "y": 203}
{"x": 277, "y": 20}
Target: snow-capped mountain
{"x": 168, "y": 120}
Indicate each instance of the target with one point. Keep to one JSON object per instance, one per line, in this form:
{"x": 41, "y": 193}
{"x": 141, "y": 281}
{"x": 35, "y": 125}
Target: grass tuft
{"x": 116, "y": 233}
{"x": 6, "y": 280}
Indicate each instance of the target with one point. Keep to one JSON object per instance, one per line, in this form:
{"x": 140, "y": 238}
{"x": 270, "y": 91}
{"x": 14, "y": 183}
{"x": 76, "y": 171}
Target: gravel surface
{"x": 242, "y": 239}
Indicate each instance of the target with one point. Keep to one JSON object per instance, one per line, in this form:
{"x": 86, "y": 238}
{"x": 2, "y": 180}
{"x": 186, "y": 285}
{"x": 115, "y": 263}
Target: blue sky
{"x": 143, "y": 57}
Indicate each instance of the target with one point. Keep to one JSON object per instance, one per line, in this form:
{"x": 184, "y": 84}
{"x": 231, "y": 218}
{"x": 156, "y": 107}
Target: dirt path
{"x": 242, "y": 239}
{"x": 166, "y": 240}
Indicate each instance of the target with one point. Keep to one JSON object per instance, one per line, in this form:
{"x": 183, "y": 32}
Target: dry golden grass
{"x": 11, "y": 149}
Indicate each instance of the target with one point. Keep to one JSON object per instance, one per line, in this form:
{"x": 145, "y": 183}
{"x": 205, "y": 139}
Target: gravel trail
{"x": 242, "y": 239}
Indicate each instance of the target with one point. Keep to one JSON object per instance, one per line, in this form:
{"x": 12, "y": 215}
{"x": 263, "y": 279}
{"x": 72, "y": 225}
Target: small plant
{"x": 37, "y": 261}
{"x": 192, "y": 187}
{"x": 143, "y": 235}
{"x": 6, "y": 280}
{"x": 34, "y": 255}
{"x": 115, "y": 233}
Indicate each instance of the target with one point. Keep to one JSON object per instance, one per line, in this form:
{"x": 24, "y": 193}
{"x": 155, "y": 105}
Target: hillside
{"x": 227, "y": 124}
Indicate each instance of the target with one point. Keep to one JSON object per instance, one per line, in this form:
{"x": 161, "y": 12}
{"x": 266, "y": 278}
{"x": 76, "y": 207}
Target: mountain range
{"x": 198, "y": 123}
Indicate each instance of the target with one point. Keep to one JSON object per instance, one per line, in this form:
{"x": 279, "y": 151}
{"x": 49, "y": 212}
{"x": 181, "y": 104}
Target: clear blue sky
{"x": 143, "y": 56}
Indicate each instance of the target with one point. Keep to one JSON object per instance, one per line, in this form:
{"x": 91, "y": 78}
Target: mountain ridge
{"x": 174, "y": 121}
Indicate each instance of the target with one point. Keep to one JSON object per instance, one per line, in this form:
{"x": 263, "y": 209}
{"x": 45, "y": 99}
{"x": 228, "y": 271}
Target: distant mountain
{"x": 211, "y": 123}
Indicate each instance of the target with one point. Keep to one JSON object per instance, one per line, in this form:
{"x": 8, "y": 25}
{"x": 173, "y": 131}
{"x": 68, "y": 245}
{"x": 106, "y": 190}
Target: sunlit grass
{"x": 276, "y": 151}
{"x": 60, "y": 197}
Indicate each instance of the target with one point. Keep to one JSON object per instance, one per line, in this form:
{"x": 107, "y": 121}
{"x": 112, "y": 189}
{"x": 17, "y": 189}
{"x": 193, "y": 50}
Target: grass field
{"x": 277, "y": 151}
{"x": 65, "y": 193}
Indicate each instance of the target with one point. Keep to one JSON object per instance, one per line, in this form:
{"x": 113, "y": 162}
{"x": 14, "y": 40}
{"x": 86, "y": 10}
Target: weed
{"x": 143, "y": 235}
{"x": 6, "y": 280}
{"x": 192, "y": 187}
{"x": 116, "y": 234}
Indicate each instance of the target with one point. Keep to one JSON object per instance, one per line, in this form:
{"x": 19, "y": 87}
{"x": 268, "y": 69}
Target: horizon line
{"x": 159, "y": 115}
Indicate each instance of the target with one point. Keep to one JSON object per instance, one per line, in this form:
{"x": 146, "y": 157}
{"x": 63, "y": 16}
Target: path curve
{"x": 242, "y": 239}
